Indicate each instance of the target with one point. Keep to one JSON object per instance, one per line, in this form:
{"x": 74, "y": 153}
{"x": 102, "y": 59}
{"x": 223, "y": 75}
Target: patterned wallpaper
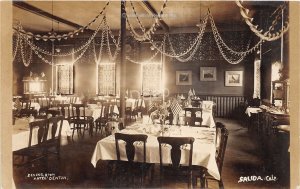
{"x": 208, "y": 49}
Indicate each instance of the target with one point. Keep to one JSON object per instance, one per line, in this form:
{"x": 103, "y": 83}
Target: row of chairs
{"x": 23, "y": 108}
{"x": 140, "y": 170}
{"x": 47, "y": 133}
{"x": 76, "y": 114}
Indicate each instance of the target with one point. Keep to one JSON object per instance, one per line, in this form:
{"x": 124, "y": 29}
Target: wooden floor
{"x": 248, "y": 156}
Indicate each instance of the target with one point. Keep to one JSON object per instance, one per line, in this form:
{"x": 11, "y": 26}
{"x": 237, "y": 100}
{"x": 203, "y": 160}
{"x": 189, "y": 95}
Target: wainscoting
{"x": 227, "y": 106}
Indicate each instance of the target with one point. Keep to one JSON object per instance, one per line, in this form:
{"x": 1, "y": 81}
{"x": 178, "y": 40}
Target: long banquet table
{"x": 203, "y": 152}
{"x": 20, "y": 134}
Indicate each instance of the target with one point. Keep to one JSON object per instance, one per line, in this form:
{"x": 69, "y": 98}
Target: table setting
{"x": 203, "y": 153}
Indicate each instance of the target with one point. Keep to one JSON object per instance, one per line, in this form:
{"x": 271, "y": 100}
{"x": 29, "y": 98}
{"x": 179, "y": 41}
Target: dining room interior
{"x": 151, "y": 94}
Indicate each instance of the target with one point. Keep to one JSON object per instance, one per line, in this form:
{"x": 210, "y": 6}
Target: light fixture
{"x": 35, "y": 84}
{"x": 57, "y": 50}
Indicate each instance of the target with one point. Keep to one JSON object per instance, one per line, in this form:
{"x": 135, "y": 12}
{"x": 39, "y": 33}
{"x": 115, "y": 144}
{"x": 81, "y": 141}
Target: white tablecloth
{"x": 203, "y": 152}
{"x": 251, "y": 110}
{"x": 20, "y": 136}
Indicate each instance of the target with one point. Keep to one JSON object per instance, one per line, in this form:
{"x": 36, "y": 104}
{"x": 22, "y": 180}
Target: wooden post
{"x": 122, "y": 61}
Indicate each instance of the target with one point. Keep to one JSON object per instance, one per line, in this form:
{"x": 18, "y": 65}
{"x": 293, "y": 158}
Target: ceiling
{"x": 177, "y": 14}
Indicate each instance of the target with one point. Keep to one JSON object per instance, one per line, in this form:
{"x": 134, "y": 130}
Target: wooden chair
{"x": 111, "y": 114}
{"x": 188, "y": 121}
{"x": 130, "y": 168}
{"x": 138, "y": 108}
{"x": 55, "y": 128}
{"x": 43, "y": 106}
{"x": 53, "y": 112}
{"x": 195, "y": 116}
{"x": 79, "y": 119}
{"x": 101, "y": 121}
{"x": 176, "y": 143}
{"x": 222, "y": 137}
{"x": 27, "y": 110}
{"x": 64, "y": 110}
{"x": 128, "y": 114}
{"x": 34, "y": 152}
{"x": 51, "y": 101}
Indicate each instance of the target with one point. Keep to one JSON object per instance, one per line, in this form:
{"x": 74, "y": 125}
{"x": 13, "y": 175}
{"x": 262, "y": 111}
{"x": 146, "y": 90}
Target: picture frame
{"x": 183, "y": 77}
{"x": 208, "y": 74}
{"x": 234, "y": 78}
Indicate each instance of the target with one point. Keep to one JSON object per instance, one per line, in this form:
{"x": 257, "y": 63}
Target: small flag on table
{"x": 151, "y": 106}
{"x": 175, "y": 107}
{"x": 190, "y": 93}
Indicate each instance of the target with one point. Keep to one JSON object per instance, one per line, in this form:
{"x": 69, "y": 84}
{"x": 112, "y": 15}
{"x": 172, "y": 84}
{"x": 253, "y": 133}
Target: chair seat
{"x": 101, "y": 120}
{"x": 82, "y": 119}
{"x": 34, "y": 153}
{"x": 135, "y": 166}
{"x": 126, "y": 172}
{"x": 170, "y": 171}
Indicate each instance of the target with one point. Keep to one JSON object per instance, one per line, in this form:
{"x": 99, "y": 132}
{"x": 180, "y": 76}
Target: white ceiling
{"x": 176, "y": 13}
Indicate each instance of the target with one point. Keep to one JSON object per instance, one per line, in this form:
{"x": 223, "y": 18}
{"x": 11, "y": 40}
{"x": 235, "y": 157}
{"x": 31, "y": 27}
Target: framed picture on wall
{"x": 234, "y": 78}
{"x": 183, "y": 77}
{"x": 208, "y": 74}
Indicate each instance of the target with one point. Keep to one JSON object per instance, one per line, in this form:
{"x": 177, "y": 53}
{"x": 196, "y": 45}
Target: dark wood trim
{"x": 123, "y": 61}
{"x": 25, "y": 6}
{"x": 149, "y": 8}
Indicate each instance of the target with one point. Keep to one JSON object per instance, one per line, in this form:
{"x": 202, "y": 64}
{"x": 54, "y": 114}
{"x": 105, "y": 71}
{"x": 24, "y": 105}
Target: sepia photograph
{"x": 183, "y": 77}
{"x": 208, "y": 74}
{"x": 234, "y": 78}
{"x": 149, "y": 94}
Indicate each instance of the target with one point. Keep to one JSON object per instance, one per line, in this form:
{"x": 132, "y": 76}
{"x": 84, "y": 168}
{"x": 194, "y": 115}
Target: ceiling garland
{"x": 184, "y": 56}
{"x": 65, "y": 36}
{"x": 146, "y": 34}
{"x": 268, "y": 35}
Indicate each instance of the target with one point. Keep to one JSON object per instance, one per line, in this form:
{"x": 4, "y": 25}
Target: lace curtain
{"x": 106, "y": 79}
{"x": 257, "y": 76}
{"x": 151, "y": 80}
{"x": 65, "y": 79}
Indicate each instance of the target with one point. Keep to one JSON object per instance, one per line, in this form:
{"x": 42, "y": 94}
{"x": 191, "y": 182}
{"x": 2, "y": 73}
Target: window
{"x": 65, "y": 78}
{"x": 106, "y": 78}
{"x": 151, "y": 78}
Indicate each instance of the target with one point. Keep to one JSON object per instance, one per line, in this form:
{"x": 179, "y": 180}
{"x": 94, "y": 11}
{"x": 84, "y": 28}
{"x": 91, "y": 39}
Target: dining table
{"x": 21, "y": 131}
{"x": 204, "y": 150}
{"x": 252, "y": 110}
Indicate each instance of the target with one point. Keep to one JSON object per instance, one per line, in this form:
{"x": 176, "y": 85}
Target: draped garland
{"x": 25, "y": 40}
